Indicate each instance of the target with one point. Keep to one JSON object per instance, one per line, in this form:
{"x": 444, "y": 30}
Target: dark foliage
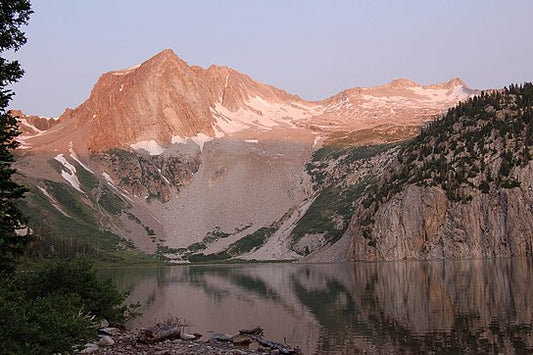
{"x": 49, "y": 310}
{"x": 13, "y": 15}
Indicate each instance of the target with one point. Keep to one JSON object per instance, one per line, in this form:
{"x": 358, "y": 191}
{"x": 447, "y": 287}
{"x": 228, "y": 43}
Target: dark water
{"x": 474, "y": 306}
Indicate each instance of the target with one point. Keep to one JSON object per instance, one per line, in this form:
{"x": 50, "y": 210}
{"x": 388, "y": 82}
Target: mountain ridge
{"x": 164, "y": 100}
{"x": 199, "y": 164}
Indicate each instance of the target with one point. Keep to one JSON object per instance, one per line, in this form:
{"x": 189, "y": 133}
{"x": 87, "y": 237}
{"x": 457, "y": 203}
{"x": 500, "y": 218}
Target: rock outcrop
{"x": 422, "y": 223}
{"x": 148, "y": 176}
{"x": 462, "y": 189}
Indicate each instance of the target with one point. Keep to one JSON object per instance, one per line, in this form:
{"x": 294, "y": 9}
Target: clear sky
{"x": 311, "y": 48}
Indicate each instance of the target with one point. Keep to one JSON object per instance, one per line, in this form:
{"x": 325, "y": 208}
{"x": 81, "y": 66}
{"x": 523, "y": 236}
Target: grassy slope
{"x": 80, "y": 233}
{"x": 334, "y": 205}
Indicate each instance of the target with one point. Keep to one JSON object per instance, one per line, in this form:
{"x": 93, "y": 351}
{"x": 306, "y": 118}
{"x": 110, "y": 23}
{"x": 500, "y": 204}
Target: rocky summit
{"x": 197, "y": 164}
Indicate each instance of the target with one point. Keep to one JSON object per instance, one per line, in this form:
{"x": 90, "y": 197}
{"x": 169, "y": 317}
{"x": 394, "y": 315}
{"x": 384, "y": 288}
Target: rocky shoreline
{"x": 114, "y": 341}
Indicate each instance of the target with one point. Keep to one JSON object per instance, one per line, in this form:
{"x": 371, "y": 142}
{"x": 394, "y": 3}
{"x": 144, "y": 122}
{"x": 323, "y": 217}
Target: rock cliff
{"x": 462, "y": 189}
{"x": 421, "y": 223}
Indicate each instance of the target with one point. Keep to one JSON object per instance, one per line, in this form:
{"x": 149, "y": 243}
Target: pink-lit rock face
{"x": 164, "y": 101}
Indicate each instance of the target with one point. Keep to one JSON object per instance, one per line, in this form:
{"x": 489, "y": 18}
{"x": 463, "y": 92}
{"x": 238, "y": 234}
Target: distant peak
{"x": 453, "y": 83}
{"x": 456, "y": 82}
{"x": 166, "y": 52}
{"x": 166, "y": 59}
{"x": 402, "y": 83}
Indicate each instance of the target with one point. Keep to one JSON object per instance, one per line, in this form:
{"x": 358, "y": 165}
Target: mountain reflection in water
{"x": 408, "y": 307}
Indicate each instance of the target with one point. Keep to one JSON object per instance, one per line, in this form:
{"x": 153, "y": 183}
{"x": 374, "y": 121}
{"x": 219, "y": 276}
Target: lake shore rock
{"x": 125, "y": 343}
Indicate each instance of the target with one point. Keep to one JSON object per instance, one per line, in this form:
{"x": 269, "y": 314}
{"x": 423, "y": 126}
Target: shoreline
{"x": 114, "y": 341}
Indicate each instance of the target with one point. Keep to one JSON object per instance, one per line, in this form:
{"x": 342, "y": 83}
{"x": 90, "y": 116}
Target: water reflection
{"x": 407, "y": 307}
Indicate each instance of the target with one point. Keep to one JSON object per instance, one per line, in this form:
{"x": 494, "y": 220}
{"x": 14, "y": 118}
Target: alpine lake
{"x": 451, "y": 306}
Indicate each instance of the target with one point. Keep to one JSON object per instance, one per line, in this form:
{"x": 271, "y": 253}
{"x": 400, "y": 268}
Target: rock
{"x": 106, "y": 340}
{"x": 258, "y": 331}
{"x": 240, "y": 339}
{"x": 422, "y": 223}
{"x": 103, "y": 324}
{"x": 90, "y": 348}
{"x": 109, "y": 331}
{"x": 220, "y": 337}
{"x": 187, "y": 336}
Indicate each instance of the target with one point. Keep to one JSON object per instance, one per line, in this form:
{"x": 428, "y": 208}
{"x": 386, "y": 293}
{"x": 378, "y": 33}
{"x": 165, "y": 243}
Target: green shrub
{"x": 41, "y": 325}
{"x": 251, "y": 241}
{"x": 99, "y": 298}
{"x": 50, "y": 310}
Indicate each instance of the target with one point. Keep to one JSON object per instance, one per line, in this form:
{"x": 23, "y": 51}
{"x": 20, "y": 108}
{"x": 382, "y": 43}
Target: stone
{"x": 220, "y": 337}
{"x": 187, "y": 336}
{"x": 240, "y": 339}
{"x": 106, "y": 340}
{"x": 90, "y": 348}
{"x": 109, "y": 331}
{"x": 103, "y": 324}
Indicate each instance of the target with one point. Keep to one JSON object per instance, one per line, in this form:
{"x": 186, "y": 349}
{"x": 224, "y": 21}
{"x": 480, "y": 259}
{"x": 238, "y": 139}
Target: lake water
{"x": 474, "y": 306}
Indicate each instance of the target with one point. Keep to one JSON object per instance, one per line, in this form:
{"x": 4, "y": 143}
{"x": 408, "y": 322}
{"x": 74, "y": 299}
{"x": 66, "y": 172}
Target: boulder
{"x": 109, "y": 331}
{"x": 240, "y": 339}
{"x": 187, "y": 336}
{"x": 105, "y": 340}
{"x": 89, "y": 348}
{"x": 103, "y": 324}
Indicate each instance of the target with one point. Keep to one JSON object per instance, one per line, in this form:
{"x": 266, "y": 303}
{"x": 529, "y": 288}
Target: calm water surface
{"x": 475, "y": 306}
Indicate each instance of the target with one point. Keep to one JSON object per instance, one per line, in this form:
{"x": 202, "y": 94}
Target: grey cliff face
{"x": 422, "y": 223}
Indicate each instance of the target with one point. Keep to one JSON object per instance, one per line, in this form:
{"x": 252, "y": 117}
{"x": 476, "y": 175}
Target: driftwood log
{"x": 284, "y": 349}
{"x": 258, "y": 331}
{"x": 158, "y": 333}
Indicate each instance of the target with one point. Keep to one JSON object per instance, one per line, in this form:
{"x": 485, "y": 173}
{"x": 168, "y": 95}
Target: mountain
{"x": 386, "y": 113}
{"x": 194, "y": 163}
{"x": 164, "y": 101}
{"x": 460, "y": 189}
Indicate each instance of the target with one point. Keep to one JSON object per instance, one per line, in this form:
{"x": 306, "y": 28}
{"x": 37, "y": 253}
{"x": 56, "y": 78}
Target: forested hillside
{"x": 477, "y": 155}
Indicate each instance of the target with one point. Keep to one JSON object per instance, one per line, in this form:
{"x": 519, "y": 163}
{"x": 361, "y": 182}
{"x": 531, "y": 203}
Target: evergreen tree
{"x": 13, "y": 239}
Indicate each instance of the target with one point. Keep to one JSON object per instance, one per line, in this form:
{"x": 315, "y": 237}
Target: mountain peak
{"x": 402, "y": 82}
{"x": 166, "y": 57}
{"x": 456, "y": 82}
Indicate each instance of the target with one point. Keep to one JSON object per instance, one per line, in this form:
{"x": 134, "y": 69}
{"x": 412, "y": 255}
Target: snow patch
{"x": 74, "y": 156}
{"x": 54, "y": 202}
{"x": 125, "y": 71}
{"x": 260, "y": 114}
{"x": 69, "y": 172}
{"x": 200, "y": 139}
{"x": 121, "y": 87}
{"x": 441, "y": 94}
{"x": 25, "y": 122}
{"x": 108, "y": 178}
{"x": 373, "y": 102}
{"x": 316, "y": 140}
{"x": 251, "y": 141}
{"x": 116, "y": 188}
{"x": 49, "y": 118}
{"x": 163, "y": 176}
{"x": 151, "y": 147}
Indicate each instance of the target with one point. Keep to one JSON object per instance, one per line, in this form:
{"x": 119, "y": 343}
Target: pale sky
{"x": 310, "y": 48}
